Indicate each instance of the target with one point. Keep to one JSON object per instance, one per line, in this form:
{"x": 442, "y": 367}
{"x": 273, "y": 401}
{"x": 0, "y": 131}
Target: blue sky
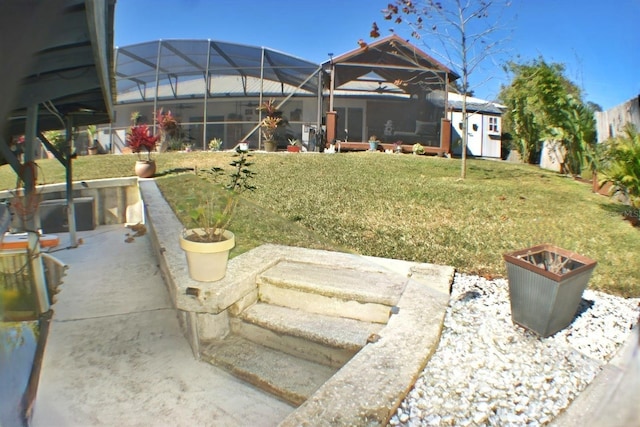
{"x": 597, "y": 41}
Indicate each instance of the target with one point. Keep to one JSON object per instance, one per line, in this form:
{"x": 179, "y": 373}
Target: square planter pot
{"x": 545, "y": 301}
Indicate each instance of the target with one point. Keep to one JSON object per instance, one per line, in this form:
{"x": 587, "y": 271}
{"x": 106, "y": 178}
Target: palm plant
{"x": 576, "y": 131}
{"x": 622, "y": 168}
{"x": 213, "y": 215}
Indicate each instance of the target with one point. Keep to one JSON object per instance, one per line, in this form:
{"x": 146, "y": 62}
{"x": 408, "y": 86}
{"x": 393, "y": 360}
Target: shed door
{"x": 491, "y": 137}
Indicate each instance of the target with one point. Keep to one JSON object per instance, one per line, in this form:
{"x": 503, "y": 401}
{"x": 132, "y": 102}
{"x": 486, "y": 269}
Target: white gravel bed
{"x": 489, "y": 372}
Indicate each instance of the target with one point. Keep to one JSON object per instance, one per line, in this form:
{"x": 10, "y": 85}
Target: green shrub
{"x": 622, "y": 166}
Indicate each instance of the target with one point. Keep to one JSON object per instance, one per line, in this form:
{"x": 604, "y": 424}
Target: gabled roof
{"x": 391, "y": 58}
{"x": 475, "y": 105}
{"x": 71, "y": 62}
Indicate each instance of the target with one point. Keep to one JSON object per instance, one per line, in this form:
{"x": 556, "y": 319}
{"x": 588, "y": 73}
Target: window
{"x": 493, "y": 124}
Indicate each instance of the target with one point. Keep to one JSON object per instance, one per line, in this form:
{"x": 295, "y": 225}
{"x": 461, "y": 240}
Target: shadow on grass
{"x": 174, "y": 171}
{"x": 623, "y": 212}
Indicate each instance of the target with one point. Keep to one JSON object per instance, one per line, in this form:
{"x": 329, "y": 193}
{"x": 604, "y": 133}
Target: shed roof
{"x": 392, "y": 59}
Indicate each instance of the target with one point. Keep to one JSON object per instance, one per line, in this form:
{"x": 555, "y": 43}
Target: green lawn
{"x": 403, "y": 206}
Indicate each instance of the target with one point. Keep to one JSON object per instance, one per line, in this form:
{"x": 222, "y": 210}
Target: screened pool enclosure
{"x": 389, "y": 89}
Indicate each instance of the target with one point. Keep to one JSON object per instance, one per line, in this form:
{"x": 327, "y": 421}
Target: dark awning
{"x": 66, "y": 47}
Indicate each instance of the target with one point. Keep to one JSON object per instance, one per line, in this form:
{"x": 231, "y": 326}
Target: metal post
{"x": 39, "y": 278}
{"x": 332, "y": 85}
{"x": 29, "y": 175}
{"x": 155, "y": 98}
{"x": 71, "y": 211}
{"x": 206, "y": 98}
{"x": 319, "y": 113}
{"x": 446, "y": 94}
{"x": 261, "y": 97}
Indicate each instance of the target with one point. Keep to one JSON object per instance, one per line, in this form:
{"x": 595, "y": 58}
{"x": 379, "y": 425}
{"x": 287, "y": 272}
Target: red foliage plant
{"x": 166, "y": 121}
{"x": 139, "y": 138}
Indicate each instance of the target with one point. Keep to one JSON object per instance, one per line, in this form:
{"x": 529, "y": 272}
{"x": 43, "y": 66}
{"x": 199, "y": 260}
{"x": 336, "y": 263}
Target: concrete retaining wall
{"x": 116, "y": 201}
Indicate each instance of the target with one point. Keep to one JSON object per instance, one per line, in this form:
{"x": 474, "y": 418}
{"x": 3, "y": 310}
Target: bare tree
{"x": 466, "y": 31}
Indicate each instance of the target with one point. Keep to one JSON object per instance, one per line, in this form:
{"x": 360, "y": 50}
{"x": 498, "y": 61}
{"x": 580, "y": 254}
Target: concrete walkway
{"x": 116, "y": 356}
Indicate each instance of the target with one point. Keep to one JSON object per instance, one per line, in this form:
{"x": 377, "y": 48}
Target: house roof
{"x": 475, "y": 105}
{"x": 63, "y": 52}
{"x": 391, "y": 58}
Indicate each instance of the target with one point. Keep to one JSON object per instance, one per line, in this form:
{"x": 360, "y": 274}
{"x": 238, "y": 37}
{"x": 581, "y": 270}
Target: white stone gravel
{"x": 489, "y": 372}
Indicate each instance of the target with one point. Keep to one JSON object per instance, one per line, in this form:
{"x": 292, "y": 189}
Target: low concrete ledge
{"x": 117, "y": 200}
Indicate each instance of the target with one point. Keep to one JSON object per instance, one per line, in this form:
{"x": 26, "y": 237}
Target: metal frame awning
{"x": 56, "y": 72}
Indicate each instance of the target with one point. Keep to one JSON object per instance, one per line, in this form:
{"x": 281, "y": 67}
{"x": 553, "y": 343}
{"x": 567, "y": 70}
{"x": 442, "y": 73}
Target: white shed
{"x": 484, "y": 130}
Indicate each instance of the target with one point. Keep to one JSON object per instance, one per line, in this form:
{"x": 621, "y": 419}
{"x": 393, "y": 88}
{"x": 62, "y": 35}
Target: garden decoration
{"x": 208, "y": 243}
{"x": 545, "y": 286}
{"x": 139, "y": 139}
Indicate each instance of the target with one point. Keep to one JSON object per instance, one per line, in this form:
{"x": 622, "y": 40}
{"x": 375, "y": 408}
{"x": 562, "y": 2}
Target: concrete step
{"x": 342, "y": 292}
{"x": 288, "y": 377}
{"x": 328, "y": 340}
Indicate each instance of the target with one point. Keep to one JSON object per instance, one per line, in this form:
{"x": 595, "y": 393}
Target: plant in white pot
{"x": 208, "y": 243}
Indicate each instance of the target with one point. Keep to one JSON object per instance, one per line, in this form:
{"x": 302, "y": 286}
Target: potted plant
{"x": 294, "y": 146}
{"x": 167, "y": 128}
{"x": 397, "y": 147}
{"x": 269, "y": 124}
{"x": 215, "y": 144}
{"x": 208, "y": 243}
{"x": 139, "y": 139}
{"x": 418, "y": 148}
{"x": 545, "y": 286}
{"x": 373, "y": 143}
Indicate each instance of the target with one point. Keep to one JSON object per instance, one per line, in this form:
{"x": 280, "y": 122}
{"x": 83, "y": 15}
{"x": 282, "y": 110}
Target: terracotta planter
{"x": 293, "y": 149}
{"x": 544, "y": 301}
{"x": 270, "y": 146}
{"x": 207, "y": 261}
{"x": 145, "y": 168}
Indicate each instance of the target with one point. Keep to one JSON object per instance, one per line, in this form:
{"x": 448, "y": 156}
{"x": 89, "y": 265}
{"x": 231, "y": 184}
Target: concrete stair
{"x": 288, "y": 377}
{"x": 327, "y": 340}
{"x": 308, "y": 322}
{"x": 342, "y": 292}
{"x": 371, "y": 385}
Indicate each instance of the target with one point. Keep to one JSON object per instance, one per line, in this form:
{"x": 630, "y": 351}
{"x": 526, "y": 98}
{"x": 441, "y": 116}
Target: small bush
{"x": 622, "y": 166}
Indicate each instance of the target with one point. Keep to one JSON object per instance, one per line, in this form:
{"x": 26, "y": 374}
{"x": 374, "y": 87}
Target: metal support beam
{"x": 320, "y": 110}
{"x": 37, "y": 267}
{"x": 260, "y": 102}
{"x": 206, "y": 98}
{"x": 58, "y": 155}
{"x": 29, "y": 171}
{"x": 318, "y": 70}
{"x": 155, "y": 98}
{"x": 71, "y": 211}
